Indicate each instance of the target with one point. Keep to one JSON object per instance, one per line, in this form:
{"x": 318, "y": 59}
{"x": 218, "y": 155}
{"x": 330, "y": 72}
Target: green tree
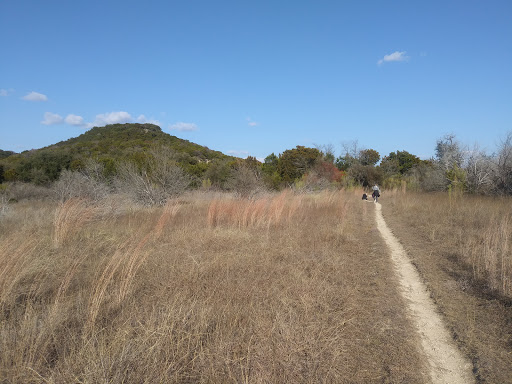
{"x": 271, "y": 176}
{"x": 293, "y": 163}
{"x": 343, "y": 163}
{"x": 399, "y": 162}
{"x": 270, "y": 164}
{"x": 218, "y": 172}
{"x": 252, "y": 163}
{"x": 365, "y": 175}
{"x": 42, "y": 167}
{"x": 4, "y": 154}
{"x": 369, "y": 157}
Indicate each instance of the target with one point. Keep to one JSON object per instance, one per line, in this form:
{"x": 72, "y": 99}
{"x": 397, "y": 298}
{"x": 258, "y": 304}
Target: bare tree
{"x": 328, "y": 151}
{"x": 158, "y": 179}
{"x": 449, "y": 153}
{"x": 137, "y": 184}
{"x": 88, "y": 182}
{"x": 481, "y": 172}
{"x": 245, "y": 181}
{"x": 351, "y": 148}
{"x": 166, "y": 174}
{"x": 504, "y": 165}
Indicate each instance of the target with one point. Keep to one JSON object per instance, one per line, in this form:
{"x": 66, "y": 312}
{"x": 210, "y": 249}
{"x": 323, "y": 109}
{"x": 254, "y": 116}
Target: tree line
{"x": 154, "y": 174}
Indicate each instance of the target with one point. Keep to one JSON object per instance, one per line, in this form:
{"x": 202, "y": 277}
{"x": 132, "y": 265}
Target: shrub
{"x": 155, "y": 188}
{"x": 76, "y": 184}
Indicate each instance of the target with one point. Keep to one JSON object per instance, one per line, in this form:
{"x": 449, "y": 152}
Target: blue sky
{"x": 252, "y": 78}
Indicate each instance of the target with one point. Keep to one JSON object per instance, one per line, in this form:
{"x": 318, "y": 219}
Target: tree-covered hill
{"x": 109, "y": 145}
{"x": 4, "y": 154}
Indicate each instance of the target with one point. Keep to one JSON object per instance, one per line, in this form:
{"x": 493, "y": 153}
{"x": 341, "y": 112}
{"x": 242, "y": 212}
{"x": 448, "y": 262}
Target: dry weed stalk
{"x": 127, "y": 260}
{"x": 277, "y": 206}
{"x": 496, "y": 255}
{"x": 100, "y": 288}
{"x": 70, "y": 216}
{"x": 212, "y": 213}
{"x": 131, "y": 308}
{"x": 258, "y": 212}
{"x": 263, "y": 212}
{"x": 15, "y": 254}
{"x": 170, "y": 210}
{"x": 68, "y": 277}
{"x": 477, "y": 228}
{"x": 294, "y": 206}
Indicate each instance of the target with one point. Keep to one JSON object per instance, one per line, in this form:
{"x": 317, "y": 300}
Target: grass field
{"x": 462, "y": 247}
{"x": 208, "y": 289}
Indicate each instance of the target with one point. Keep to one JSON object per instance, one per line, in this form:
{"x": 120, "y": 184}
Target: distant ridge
{"x": 109, "y": 144}
{"x": 117, "y": 139}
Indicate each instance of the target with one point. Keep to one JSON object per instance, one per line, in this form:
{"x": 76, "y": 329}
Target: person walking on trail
{"x": 376, "y": 193}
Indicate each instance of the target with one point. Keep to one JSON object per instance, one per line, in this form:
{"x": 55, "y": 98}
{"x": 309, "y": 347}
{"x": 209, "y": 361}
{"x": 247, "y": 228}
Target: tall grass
{"x": 476, "y": 228}
{"x": 262, "y": 212}
{"x": 206, "y": 289}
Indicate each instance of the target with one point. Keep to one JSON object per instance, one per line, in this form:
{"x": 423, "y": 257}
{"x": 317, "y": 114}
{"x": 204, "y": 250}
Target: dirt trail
{"x": 447, "y": 365}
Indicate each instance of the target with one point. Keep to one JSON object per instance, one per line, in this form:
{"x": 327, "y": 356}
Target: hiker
{"x": 376, "y": 193}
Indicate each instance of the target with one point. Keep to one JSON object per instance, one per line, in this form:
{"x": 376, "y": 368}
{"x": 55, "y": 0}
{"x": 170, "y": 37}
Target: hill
{"x": 108, "y": 145}
{"x": 4, "y": 154}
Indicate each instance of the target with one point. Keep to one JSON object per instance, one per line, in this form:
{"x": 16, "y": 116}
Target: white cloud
{"x": 35, "y": 96}
{"x": 395, "y": 56}
{"x": 74, "y": 120}
{"x": 186, "y": 127}
{"x": 142, "y": 119}
{"x": 52, "y": 119}
{"x": 118, "y": 117}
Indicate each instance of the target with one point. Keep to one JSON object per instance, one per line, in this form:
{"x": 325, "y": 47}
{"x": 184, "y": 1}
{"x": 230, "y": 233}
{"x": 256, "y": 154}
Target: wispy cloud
{"x": 4, "y": 92}
{"x": 52, "y": 119}
{"x": 75, "y": 120}
{"x": 185, "y": 127}
{"x": 251, "y": 123}
{"x": 143, "y": 119}
{"x": 395, "y": 56}
{"x": 35, "y": 96}
{"x": 238, "y": 153}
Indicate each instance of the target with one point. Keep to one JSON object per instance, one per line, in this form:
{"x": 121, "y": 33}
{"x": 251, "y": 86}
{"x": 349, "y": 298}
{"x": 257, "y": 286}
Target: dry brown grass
{"x": 70, "y": 216}
{"x": 286, "y": 288}
{"x": 477, "y": 229}
{"x": 462, "y": 247}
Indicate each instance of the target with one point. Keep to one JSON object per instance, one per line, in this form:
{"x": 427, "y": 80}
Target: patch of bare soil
{"x": 447, "y": 363}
